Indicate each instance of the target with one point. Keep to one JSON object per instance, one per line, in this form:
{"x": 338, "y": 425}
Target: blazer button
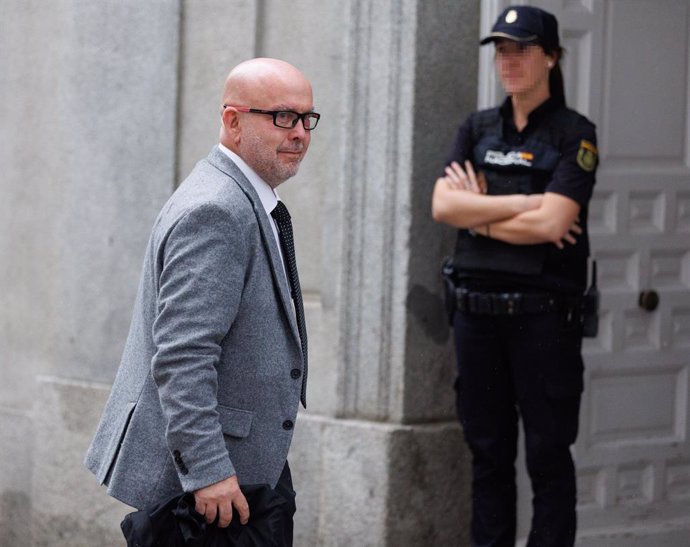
{"x": 287, "y": 424}
{"x": 295, "y": 373}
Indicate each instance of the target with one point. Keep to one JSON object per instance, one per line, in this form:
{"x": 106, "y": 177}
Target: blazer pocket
{"x": 235, "y": 422}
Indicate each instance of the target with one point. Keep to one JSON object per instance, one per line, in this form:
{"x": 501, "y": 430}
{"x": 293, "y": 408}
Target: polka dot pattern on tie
{"x": 287, "y": 242}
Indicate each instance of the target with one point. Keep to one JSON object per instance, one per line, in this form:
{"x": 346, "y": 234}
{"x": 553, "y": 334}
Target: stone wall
{"x": 105, "y": 106}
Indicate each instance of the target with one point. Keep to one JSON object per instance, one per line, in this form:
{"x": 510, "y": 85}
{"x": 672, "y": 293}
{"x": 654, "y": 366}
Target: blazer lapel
{"x": 222, "y": 162}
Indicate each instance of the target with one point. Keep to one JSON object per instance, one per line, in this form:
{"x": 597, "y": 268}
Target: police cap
{"x": 525, "y": 24}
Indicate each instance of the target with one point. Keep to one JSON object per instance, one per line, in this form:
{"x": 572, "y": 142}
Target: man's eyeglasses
{"x": 287, "y": 119}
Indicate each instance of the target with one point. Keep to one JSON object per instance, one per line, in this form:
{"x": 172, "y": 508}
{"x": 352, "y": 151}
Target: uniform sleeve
{"x": 574, "y": 175}
{"x": 462, "y": 144}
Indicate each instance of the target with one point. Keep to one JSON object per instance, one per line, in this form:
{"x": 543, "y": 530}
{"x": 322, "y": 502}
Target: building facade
{"x": 105, "y": 106}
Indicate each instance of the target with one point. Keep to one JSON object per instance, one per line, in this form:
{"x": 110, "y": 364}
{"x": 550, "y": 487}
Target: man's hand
{"x": 217, "y": 500}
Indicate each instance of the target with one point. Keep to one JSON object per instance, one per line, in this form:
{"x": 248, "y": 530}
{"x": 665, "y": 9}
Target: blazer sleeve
{"x": 202, "y": 261}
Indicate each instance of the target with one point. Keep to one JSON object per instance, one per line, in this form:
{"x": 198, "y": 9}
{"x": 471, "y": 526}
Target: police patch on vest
{"x": 496, "y": 157}
{"x": 587, "y": 156}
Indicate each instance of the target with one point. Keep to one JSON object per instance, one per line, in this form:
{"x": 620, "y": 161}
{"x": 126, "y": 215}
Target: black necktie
{"x": 282, "y": 217}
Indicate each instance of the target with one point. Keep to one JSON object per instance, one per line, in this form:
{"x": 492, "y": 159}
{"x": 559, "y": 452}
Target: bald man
{"x": 214, "y": 368}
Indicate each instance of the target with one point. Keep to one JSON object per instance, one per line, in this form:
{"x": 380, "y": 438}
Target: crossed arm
{"x": 459, "y": 200}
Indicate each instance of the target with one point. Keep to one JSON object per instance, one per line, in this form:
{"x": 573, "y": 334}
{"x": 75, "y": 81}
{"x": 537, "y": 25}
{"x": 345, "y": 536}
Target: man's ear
{"x": 231, "y": 122}
{"x": 231, "y": 118}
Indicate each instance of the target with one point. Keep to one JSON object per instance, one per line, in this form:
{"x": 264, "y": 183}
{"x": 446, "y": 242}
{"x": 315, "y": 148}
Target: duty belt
{"x": 511, "y": 303}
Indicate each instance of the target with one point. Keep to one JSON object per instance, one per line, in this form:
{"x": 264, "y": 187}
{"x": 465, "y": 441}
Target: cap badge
{"x": 511, "y": 16}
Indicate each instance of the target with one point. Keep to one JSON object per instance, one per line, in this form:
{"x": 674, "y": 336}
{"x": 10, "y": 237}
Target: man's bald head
{"x": 272, "y": 85}
{"x": 249, "y": 79}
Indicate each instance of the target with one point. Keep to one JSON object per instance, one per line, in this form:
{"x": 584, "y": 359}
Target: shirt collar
{"x": 267, "y": 195}
{"x": 533, "y": 117}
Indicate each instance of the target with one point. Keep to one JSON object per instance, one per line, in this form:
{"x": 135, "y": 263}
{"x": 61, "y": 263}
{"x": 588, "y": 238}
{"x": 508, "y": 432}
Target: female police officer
{"x": 517, "y": 186}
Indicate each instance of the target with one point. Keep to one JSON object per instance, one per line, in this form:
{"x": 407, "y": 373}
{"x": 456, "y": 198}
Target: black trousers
{"x": 528, "y": 366}
{"x": 284, "y": 488}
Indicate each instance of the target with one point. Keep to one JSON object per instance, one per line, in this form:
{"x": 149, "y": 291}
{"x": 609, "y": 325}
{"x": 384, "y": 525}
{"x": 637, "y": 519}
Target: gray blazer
{"x": 210, "y": 378}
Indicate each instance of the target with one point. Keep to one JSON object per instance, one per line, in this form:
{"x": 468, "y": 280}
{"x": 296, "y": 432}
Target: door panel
{"x": 627, "y": 69}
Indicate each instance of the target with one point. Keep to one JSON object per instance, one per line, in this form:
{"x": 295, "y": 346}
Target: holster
{"x": 450, "y": 298}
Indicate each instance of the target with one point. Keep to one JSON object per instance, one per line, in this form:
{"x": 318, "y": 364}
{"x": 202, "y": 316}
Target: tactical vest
{"x": 512, "y": 169}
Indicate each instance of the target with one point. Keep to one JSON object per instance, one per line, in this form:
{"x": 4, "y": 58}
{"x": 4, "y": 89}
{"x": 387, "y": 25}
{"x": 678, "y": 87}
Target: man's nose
{"x": 299, "y": 130}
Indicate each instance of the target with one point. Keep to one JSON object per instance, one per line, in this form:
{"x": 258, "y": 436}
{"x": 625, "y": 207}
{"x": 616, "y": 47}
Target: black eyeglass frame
{"x": 313, "y": 116}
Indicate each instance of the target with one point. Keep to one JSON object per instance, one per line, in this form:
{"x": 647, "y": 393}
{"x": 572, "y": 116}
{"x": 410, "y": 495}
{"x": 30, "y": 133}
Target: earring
{"x": 550, "y": 64}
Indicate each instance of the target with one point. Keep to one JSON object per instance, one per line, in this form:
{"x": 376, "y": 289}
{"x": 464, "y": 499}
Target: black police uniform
{"x": 518, "y": 328}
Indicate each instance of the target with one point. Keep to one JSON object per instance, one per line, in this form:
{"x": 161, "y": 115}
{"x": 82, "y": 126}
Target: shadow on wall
{"x": 428, "y": 309}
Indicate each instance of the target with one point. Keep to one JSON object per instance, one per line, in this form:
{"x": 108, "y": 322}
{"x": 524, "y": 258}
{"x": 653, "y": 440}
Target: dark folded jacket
{"x": 175, "y": 523}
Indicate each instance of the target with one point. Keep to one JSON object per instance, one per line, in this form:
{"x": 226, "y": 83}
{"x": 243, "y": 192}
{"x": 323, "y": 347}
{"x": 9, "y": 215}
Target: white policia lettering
{"x": 496, "y": 157}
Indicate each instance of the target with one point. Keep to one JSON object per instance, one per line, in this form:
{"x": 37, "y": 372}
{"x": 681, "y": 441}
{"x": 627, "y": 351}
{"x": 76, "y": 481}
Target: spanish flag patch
{"x": 587, "y": 156}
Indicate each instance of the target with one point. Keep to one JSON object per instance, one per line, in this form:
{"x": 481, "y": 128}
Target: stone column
{"x": 381, "y": 461}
